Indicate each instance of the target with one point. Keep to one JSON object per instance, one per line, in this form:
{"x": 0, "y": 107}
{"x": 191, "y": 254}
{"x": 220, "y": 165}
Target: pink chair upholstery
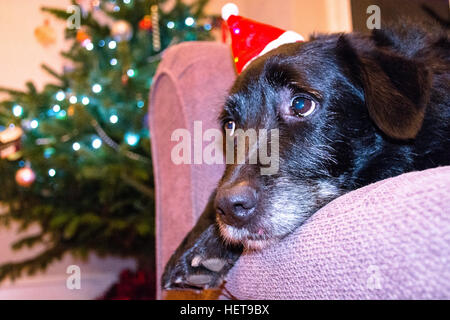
{"x": 385, "y": 241}
{"x": 191, "y": 84}
{"x": 388, "y": 240}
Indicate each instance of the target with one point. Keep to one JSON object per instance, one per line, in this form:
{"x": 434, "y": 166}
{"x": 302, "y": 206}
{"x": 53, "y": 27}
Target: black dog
{"x": 351, "y": 109}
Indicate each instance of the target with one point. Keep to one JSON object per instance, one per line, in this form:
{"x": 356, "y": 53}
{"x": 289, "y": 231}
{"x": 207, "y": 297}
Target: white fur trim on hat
{"x": 286, "y": 37}
{"x": 229, "y": 9}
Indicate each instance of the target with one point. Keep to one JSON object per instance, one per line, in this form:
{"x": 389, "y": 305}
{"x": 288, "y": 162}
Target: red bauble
{"x": 25, "y": 177}
{"x": 82, "y": 37}
{"x": 146, "y": 23}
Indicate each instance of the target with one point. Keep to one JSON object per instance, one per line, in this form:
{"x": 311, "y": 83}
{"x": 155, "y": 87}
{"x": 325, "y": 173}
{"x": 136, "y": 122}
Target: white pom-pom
{"x": 230, "y": 9}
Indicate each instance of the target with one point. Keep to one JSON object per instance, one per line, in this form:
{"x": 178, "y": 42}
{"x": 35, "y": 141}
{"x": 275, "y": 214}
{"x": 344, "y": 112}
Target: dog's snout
{"x": 236, "y": 204}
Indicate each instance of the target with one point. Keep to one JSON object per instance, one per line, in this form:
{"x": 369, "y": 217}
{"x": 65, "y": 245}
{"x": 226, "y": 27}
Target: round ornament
{"x": 121, "y": 30}
{"x": 82, "y": 37}
{"x": 45, "y": 34}
{"x": 25, "y": 177}
{"x": 146, "y": 23}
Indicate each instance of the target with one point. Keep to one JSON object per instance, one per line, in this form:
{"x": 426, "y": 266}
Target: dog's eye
{"x": 229, "y": 127}
{"x": 302, "y": 106}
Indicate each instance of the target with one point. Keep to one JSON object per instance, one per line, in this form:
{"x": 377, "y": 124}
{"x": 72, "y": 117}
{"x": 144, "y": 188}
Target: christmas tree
{"x": 75, "y": 156}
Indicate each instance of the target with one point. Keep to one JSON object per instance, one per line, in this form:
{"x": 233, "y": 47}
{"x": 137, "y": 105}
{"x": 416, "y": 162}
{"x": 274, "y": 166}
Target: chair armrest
{"x": 388, "y": 240}
{"x": 190, "y": 85}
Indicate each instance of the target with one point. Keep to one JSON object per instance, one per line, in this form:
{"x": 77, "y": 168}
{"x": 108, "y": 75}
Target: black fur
{"x": 383, "y": 109}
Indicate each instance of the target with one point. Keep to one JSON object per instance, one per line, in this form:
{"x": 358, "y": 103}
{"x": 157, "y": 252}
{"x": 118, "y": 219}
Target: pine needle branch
{"x": 14, "y": 270}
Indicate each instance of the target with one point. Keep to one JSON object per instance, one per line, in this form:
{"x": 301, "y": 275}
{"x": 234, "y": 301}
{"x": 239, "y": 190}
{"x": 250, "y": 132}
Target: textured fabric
{"x": 190, "y": 85}
{"x": 389, "y": 240}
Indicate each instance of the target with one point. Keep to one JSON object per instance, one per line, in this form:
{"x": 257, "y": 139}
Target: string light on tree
{"x": 131, "y": 73}
{"x": 56, "y": 108}
{"x": 48, "y": 152}
{"x": 34, "y": 124}
{"x": 60, "y": 96}
{"x": 73, "y": 99}
{"x": 189, "y": 21}
{"x": 52, "y": 172}
{"x": 96, "y": 88}
{"x": 112, "y": 44}
{"x": 62, "y": 114}
{"x": 17, "y": 110}
{"x": 132, "y": 138}
{"x": 85, "y": 101}
{"x": 76, "y": 146}
{"x": 89, "y": 46}
{"x": 113, "y": 61}
{"x": 170, "y": 24}
{"x": 96, "y": 143}
{"x": 113, "y": 119}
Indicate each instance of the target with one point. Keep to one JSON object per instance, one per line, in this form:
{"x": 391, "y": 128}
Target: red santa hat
{"x": 251, "y": 39}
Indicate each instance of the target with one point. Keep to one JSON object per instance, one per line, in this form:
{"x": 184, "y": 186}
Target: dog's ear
{"x": 396, "y": 89}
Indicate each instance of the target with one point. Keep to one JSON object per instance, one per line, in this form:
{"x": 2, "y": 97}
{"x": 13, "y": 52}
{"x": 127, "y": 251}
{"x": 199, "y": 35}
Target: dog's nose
{"x": 236, "y": 204}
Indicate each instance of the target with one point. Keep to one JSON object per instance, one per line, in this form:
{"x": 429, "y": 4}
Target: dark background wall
{"x": 394, "y": 10}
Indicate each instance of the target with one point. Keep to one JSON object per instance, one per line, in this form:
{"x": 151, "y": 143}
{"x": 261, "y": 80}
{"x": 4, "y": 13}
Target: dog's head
{"x": 337, "y": 101}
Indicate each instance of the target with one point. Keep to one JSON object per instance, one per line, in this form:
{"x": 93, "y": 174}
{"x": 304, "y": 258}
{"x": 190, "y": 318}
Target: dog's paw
{"x": 201, "y": 262}
{"x": 194, "y": 271}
